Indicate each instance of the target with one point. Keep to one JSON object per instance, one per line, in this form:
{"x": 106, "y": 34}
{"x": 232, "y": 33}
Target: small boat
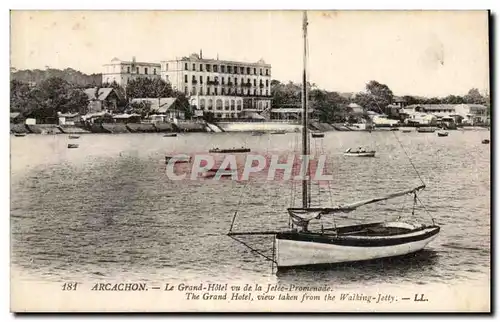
{"x": 258, "y": 133}
{"x": 19, "y": 134}
{"x": 426, "y": 130}
{"x": 72, "y": 146}
{"x": 359, "y": 153}
{"x": 442, "y": 133}
{"x": 317, "y": 135}
{"x": 278, "y": 132}
{"x": 74, "y": 136}
{"x": 485, "y": 141}
{"x": 170, "y": 135}
{"x": 232, "y": 150}
{"x": 406, "y": 131}
{"x": 178, "y": 159}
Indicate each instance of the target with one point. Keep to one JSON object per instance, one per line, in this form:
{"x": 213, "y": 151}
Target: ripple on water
{"x": 109, "y": 208}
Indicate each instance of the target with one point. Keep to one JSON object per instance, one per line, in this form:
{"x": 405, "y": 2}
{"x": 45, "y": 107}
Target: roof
{"x": 164, "y": 104}
{"x": 103, "y": 93}
{"x": 14, "y": 115}
{"x": 430, "y": 107}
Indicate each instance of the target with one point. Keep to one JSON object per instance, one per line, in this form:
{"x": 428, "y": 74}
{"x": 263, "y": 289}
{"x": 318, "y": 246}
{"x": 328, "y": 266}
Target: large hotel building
{"x": 228, "y": 89}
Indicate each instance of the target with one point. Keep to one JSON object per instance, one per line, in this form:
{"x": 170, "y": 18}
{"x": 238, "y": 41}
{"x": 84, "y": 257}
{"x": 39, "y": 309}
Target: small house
{"x": 100, "y": 99}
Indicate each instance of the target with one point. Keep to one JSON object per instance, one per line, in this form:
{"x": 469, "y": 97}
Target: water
{"x": 108, "y": 211}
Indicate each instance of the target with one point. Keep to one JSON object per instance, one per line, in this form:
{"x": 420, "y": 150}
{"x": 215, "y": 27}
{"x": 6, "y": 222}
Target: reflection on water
{"x": 108, "y": 209}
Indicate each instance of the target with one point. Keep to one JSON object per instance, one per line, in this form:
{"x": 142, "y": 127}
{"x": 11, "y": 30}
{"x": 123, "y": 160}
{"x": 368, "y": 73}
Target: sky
{"x": 426, "y": 53}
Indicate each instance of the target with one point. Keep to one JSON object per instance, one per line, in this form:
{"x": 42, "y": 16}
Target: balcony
{"x": 212, "y": 82}
{"x": 194, "y": 81}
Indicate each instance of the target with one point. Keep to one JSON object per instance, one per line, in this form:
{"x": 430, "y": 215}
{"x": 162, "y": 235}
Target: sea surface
{"x": 108, "y": 210}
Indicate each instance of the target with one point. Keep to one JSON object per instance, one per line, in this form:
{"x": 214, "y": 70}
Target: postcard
{"x": 250, "y": 161}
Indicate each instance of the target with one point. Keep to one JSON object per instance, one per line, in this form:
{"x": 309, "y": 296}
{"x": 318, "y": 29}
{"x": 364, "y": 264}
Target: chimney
{"x": 201, "y": 54}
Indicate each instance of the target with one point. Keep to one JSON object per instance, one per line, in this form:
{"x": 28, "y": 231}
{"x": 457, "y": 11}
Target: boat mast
{"x": 305, "y": 143}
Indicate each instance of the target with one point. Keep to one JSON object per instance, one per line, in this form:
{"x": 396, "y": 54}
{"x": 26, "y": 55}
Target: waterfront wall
{"x": 258, "y": 126}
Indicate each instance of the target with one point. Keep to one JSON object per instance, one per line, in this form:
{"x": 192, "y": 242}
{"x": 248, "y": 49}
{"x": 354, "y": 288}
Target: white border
{"x": 206, "y": 5}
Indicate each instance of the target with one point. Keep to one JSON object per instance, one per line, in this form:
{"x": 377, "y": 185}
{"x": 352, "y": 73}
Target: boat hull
{"x": 298, "y": 251}
{"x": 361, "y": 154}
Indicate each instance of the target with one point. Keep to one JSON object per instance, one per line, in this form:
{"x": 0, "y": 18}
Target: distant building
{"x": 163, "y": 109}
{"x": 68, "y": 118}
{"x": 469, "y": 114}
{"x": 122, "y": 72}
{"x": 228, "y": 89}
{"x": 102, "y": 99}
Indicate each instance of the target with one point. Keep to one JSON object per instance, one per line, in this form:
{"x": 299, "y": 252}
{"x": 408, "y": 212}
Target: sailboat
{"x": 300, "y": 246}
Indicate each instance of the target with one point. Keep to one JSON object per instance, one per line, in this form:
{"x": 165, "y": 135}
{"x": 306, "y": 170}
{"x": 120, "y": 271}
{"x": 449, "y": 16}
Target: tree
{"x": 19, "y": 96}
{"x": 143, "y": 108}
{"x": 148, "y": 88}
{"x": 380, "y": 94}
{"x": 183, "y": 104}
{"x": 474, "y": 97}
{"x": 452, "y": 99}
{"x": 329, "y": 107}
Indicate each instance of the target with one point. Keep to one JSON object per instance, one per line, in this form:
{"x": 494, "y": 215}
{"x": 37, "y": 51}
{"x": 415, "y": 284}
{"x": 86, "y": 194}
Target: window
{"x": 137, "y": 70}
{"x": 232, "y": 105}
{"x": 208, "y": 79}
{"x": 254, "y": 91}
{"x": 222, "y": 69}
{"x": 216, "y": 91}
{"x": 202, "y": 104}
{"x": 222, "y": 91}
{"x": 215, "y": 68}
{"x": 193, "y": 91}
{"x": 154, "y": 71}
{"x": 145, "y": 70}
{"x": 201, "y": 90}
{"x": 229, "y": 69}
{"x": 194, "y": 67}
{"x": 218, "y": 104}
{"x": 226, "y": 105}
{"x": 267, "y": 92}
{"x": 185, "y": 90}
{"x": 238, "y": 105}
{"x": 193, "y": 79}
{"x": 222, "y": 80}
{"x": 267, "y": 72}
{"x": 254, "y": 82}
{"x": 260, "y": 72}
{"x": 185, "y": 78}
{"x": 166, "y": 66}
{"x": 235, "y": 81}
{"x": 242, "y": 70}
{"x": 128, "y": 70}
{"x": 210, "y": 104}
{"x": 207, "y": 67}
{"x": 201, "y": 67}
{"x": 216, "y": 79}
{"x": 186, "y": 66}
{"x": 255, "y": 71}
{"x": 201, "y": 79}
{"x": 248, "y": 70}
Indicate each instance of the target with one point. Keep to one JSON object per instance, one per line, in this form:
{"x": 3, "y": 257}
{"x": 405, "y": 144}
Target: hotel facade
{"x": 228, "y": 89}
{"x": 122, "y": 72}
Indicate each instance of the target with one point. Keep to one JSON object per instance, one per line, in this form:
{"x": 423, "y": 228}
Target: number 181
{"x": 69, "y": 286}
